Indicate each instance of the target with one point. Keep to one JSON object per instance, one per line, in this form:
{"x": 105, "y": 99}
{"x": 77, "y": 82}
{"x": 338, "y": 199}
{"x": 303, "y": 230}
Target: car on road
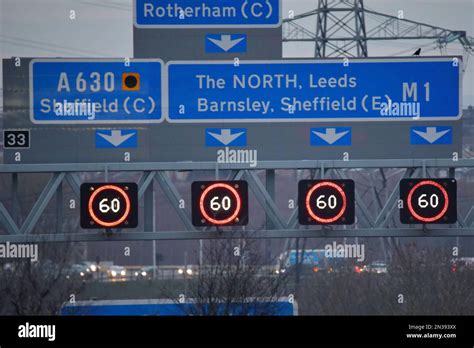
{"x": 462, "y": 264}
{"x": 377, "y": 267}
{"x": 117, "y": 273}
{"x": 81, "y": 270}
{"x": 144, "y": 273}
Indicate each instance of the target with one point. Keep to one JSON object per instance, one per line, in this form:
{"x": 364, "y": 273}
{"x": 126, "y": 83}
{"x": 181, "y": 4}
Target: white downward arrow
{"x": 226, "y": 42}
{"x": 116, "y": 138}
{"x": 431, "y": 135}
{"x": 330, "y": 136}
{"x": 225, "y": 137}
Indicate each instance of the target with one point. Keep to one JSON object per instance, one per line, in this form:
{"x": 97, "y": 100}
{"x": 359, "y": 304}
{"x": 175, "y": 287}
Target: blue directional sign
{"x": 73, "y": 91}
{"x": 326, "y": 90}
{"x": 229, "y": 43}
{"x": 441, "y": 135}
{"x": 207, "y": 13}
{"x": 337, "y": 136}
{"x": 226, "y": 137}
{"x": 116, "y": 138}
{"x": 277, "y": 307}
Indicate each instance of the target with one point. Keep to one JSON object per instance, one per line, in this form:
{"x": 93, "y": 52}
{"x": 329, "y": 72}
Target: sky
{"x": 103, "y": 28}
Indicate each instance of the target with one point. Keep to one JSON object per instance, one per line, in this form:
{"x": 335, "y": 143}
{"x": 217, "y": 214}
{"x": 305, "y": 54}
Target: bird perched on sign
{"x": 417, "y": 52}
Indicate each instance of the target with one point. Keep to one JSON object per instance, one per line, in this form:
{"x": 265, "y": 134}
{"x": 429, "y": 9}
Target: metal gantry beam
{"x": 42, "y": 202}
{"x": 265, "y": 200}
{"x": 75, "y": 168}
{"x": 388, "y": 209}
{"x": 372, "y": 222}
{"x": 257, "y": 234}
{"x": 174, "y": 197}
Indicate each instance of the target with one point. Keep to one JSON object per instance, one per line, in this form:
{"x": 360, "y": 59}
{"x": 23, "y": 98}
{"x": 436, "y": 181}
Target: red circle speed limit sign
{"x": 428, "y": 201}
{"x": 325, "y": 202}
{"x": 219, "y": 203}
{"x": 109, "y": 205}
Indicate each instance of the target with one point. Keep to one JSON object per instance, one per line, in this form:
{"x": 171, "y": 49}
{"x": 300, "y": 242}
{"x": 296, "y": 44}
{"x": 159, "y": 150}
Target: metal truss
{"x": 343, "y": 28}
{"x": 376, "y": 216}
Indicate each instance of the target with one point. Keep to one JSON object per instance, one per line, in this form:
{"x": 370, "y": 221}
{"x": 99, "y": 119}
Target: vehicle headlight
{"x": 81, "y": 274}
{"x": 123, "y": 273}
{"x": 144, "y": 273}
{"x": 136, "y": 274}
{"x": 93, "y": 268}
{"x": 180, "y": 271}
{"x": 114, "y": 274}
{"x": 189, "y": 271}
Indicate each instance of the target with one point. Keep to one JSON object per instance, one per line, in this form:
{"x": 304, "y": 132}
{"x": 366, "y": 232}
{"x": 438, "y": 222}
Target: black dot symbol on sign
{"x": 131, "y": 81}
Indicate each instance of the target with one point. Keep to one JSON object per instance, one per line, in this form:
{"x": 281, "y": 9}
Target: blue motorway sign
{"x": 325, "y": 90}
{"x": 207, "y": 13}
{"x": 424, "y": 135}
{"x": 226, "y": 137}
{"x": 228, "y": 43}
{"x": 277, "y": 307}
{"x": 116, "y": 138}
{"x": 335, "y": 136}
{"x": 89, "y": 91}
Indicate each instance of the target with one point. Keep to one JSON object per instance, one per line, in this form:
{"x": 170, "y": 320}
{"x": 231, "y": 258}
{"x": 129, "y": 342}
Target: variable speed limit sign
{"x": 219, "y": 203}
{"x": 326, "y": 202}
{"x": 109, "y": 205}
{"x": 428, "y": 201}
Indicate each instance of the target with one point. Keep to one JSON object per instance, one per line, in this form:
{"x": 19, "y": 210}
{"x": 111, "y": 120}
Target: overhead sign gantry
{"x": 143, "y": 110}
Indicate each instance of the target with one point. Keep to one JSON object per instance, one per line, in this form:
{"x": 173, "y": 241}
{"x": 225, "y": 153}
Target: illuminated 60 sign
{"x": 428, "y": 201}
{"x": 219, "y": 203}
{"x": 326, "y": 202}
{"x": 105, "y": 205}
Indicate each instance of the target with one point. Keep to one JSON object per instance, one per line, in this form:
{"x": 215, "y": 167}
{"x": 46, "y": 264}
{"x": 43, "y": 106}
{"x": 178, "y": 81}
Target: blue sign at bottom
{"x": 280, "y": 307}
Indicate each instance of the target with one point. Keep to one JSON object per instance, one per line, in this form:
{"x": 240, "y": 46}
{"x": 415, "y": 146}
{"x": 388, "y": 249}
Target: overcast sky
{"x": 103, "y": 28}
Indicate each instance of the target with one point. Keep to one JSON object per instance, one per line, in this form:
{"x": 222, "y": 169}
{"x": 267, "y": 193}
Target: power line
{"x": 18, "y": 41}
